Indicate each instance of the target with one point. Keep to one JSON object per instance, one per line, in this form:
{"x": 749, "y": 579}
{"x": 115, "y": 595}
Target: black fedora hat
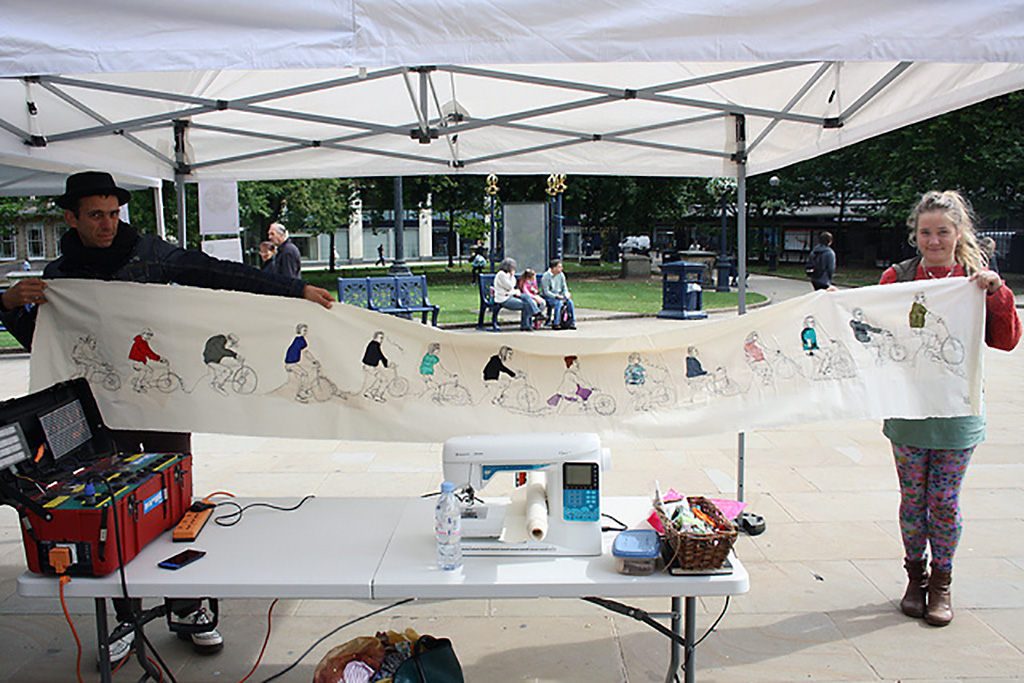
{"x": 90, "y": 184}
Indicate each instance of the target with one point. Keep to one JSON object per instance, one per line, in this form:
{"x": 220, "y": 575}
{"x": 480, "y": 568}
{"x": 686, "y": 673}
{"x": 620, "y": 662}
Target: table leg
{"x": 103, "y": 643}
{"x": 674, "y": 648}
{"x": 689, "y": 663}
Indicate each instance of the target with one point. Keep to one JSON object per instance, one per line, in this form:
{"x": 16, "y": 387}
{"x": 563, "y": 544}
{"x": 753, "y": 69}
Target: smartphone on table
{"x": 181, "y": 559}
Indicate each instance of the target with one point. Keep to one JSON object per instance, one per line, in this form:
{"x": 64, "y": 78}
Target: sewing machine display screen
{"x": 580, "y": 492}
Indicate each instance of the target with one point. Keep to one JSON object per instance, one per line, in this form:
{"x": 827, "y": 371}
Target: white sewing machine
{"x": 560, "y": 512}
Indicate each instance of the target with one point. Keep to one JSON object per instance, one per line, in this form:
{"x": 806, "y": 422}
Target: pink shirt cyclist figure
{"x": 932, "y": 454}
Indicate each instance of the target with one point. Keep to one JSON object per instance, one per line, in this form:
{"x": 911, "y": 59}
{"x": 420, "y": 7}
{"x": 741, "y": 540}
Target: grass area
{"x": 8, "y": 342}
{"x": 596, "y": 287}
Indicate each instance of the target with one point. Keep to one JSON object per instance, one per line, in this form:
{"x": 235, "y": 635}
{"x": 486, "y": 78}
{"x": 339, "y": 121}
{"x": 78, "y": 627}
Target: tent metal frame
{"x": 430, "y": 121}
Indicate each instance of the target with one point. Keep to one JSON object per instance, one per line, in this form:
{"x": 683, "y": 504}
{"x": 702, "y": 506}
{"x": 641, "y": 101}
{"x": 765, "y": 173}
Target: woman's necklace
{"x": 928, "y": 272}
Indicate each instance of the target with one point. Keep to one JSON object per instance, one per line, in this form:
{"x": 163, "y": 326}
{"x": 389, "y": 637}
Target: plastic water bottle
{"x": 448, "y": 527}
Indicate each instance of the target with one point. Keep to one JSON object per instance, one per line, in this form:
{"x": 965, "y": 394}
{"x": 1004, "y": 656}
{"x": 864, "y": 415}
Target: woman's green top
{"x": 939, "y": 433}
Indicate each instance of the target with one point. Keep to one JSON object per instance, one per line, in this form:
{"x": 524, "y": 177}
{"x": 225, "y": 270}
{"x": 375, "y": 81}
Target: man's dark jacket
{"x": 146, "y": 258}
{"x": 287, "y": 261}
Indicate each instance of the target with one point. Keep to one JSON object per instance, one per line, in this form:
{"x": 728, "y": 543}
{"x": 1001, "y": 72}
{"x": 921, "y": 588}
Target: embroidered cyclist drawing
{"x": 90, "y": 364}
{"x": 226, "y": 367}
{"x": 150, "y": 369}
{"x": 306, "y": 379}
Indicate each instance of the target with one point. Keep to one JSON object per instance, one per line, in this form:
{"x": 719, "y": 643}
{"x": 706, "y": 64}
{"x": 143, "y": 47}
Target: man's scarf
{"x": 97, "y": 262}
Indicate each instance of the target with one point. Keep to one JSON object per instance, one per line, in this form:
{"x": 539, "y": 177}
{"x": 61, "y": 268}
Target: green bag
{"x": 433, "y": 660}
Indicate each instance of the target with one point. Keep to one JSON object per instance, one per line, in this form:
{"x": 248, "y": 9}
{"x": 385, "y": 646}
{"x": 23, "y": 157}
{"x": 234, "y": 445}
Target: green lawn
{"x": 596, "y": 287}
{"x": 8, "y": 342}
{"x": 460, "y": 302}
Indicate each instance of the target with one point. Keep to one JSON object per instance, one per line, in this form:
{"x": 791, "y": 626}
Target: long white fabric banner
{"x": 184, "y": 359}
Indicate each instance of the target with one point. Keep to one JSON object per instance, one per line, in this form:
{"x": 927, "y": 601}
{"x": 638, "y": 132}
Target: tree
{"x": 461, "y": 198}
{"x": 977, "y": 150}
{"x": 13, "y": 210}
{"x": 142, "y": 212}
{"x": 320, "y": 206}
{"x": 315, "y": 205}
{"x": 471, "y": 227}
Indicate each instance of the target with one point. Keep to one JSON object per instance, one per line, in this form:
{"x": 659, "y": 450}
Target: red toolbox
{"x": 58, "y": 469}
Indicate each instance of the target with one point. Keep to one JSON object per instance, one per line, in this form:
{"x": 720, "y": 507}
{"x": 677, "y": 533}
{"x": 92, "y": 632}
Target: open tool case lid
{"x": 45, "y": 435}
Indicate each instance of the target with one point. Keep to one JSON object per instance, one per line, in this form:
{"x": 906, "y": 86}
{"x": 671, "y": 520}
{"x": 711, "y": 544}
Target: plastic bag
{"x": 331, "y": 669}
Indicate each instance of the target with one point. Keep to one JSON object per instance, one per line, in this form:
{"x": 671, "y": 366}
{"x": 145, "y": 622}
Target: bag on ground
{"x": 564, "y": 317}
{"x": 433, "y": 660}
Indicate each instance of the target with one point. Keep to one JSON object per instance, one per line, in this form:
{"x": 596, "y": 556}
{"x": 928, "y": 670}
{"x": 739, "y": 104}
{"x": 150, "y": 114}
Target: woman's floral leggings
{"x": 930, "y": 501}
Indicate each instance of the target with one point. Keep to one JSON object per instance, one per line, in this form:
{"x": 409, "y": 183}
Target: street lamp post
{"x": 721, "y": 188}
{"x": 773, "y": 252}
{"x": 492, "y": 192}
{"x": 556, "y": 186}
{"x": 399, "y": 266}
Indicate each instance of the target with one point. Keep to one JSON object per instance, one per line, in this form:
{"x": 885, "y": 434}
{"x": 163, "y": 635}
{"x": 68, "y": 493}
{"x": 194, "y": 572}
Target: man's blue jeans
{"x": 556, "y": 309}
{"x": 527, "y": 307}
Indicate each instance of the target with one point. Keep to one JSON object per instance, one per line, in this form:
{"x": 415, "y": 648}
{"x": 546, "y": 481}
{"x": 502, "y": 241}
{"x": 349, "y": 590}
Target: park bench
{"x": 400, "y": 295}
{"x": 485, "y": 282}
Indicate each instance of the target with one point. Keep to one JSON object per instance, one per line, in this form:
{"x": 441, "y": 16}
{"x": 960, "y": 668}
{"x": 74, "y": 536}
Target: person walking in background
{"x": 287, "y": 260}
{"x": 508, "y": 295}
{"x": 380, "y": 256}
{"x": 821, "y": 265}
{"x": 555, "y": 291}
{"x": 267, "y": 251}
{"x": 932, "y": 454}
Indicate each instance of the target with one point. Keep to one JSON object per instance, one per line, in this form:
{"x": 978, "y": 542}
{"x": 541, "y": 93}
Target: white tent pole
{"x": 158, "y": 208}
{"x": 741, "y": 257}
{"x": 179, "y": 194}
{"x": 179, "y": 178}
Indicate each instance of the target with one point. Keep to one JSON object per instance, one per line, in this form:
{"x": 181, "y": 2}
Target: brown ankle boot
{"x": 913, "y": 601}
{"x": 940, "y": 605}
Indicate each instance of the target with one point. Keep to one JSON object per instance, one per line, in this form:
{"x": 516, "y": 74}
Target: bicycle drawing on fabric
{"x": 937, "y": 343}
{"x": 91, "y": 366}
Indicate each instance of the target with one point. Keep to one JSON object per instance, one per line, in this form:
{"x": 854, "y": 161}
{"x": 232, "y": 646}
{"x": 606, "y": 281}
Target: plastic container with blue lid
{"x": 636, "y": 551}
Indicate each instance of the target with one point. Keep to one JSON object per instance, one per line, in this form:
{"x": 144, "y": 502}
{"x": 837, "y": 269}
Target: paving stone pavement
{"x": 825, "y": 577}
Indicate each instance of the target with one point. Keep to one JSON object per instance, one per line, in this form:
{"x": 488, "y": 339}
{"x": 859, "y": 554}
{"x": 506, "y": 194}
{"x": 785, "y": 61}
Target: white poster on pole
{"x": 229, "y": 249}
{"x": 218, "y": 207}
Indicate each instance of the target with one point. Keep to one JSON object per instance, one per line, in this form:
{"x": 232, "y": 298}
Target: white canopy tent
{"x": 262, "y": 89}
{"x": 259, "y": 89}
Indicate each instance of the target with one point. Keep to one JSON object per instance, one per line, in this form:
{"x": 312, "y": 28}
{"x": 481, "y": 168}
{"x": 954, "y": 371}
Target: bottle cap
{"x": 447, "y": 487}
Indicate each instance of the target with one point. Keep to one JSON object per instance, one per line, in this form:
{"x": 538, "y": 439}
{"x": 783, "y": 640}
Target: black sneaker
{"x": 120, "y": 649}
{"x": 204, "y": 642}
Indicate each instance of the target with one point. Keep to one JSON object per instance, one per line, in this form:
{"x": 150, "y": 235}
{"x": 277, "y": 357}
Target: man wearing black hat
{"x": 101, "y": 247}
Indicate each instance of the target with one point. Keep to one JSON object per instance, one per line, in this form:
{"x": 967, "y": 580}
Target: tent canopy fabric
{"x": 257, "y": 89}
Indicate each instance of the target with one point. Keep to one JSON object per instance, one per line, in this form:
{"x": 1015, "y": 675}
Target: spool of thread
{"x": 90, "y": 493}
{"x": 536, "y": 506}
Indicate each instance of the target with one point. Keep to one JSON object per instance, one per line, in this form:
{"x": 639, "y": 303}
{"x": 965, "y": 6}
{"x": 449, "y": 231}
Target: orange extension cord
{"x": 64, "y": 580}
{"x": 270, "y": 613}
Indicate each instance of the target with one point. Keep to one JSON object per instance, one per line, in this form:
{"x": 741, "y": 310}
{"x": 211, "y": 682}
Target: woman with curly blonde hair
{"x": 932, "y": 454}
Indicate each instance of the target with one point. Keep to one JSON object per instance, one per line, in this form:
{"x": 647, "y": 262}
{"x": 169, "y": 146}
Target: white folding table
{"x": 382, "y": 548}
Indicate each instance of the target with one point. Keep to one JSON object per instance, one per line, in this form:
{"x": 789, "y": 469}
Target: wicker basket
{"x": 690, "y": 551}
